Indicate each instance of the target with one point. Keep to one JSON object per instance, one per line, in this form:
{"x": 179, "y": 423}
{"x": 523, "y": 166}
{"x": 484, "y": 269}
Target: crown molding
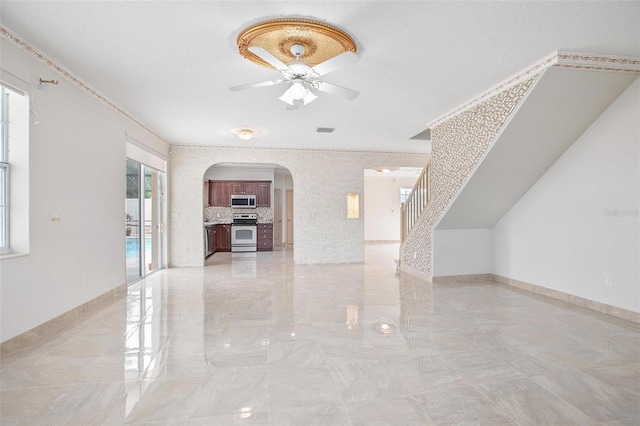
{"x": 595, "y": 62}
{"x": 558, "y": 59}
{"x": 43, "y": 59}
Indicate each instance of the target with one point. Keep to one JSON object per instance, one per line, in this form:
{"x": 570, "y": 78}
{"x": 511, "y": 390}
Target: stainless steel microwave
{"x": 243, "y": 201}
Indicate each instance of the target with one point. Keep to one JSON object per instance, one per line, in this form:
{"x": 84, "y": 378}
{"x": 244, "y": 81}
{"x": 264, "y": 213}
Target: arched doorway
{"x": 270, "y": 185}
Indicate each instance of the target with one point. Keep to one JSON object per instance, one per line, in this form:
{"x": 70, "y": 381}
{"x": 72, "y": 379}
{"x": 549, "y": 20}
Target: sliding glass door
{"x": 132, "y": 216}
{"x": 143, "y": 220}
{"x": 153, "y": 219}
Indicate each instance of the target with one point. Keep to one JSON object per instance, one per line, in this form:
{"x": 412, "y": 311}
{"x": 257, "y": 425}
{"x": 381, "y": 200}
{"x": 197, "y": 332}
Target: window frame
{"x": 14, "y": 155}
{"x": 403, "y": 195}
{"x": 5, "y": 172}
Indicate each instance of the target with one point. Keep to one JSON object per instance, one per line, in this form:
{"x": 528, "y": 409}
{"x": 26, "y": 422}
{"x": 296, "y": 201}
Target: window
{"x": 404, "y": 194}
{"x": 14, "y": 165}
{"x": 4, "y": 172}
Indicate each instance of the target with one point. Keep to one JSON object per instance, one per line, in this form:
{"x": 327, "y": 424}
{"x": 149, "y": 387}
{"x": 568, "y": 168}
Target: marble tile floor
{"x": 254, "y": 339}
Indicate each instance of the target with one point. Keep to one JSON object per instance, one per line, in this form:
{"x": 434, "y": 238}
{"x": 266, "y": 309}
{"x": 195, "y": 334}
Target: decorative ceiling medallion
{"x": 321, "y": 41}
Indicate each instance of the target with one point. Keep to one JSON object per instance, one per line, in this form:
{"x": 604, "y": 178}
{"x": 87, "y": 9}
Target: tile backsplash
{"x": 225, "y": 214}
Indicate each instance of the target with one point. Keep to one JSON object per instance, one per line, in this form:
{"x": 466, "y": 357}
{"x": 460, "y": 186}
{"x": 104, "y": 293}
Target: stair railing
{"x": 416, "y": 202}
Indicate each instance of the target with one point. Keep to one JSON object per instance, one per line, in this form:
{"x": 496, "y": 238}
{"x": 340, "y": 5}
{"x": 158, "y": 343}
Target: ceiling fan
{"x": 302, "y": 77}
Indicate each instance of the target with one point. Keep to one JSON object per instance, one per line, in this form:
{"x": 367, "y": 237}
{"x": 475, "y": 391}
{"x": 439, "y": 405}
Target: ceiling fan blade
{"x": 268, "y": 58}
{"x": 334, "y": 63}
{"x": 334, "y": 89}
{"x": 252, "y": 85}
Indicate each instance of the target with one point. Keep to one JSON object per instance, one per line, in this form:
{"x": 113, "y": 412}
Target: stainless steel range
{"x": 244, "y": 232}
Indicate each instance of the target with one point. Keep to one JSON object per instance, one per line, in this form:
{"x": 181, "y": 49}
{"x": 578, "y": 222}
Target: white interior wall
{"x": 76, "y": 171}
{"x": 240, "y": 173}
{"x": 138, "y": 152}
{"x": 321, "y": 182}
{"x": 462, "y": 252}
{"x": 579, "y": 223}
{"x": 382, "y": 206}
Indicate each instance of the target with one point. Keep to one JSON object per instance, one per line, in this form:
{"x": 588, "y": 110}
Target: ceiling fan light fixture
{"x": 288, "y": 96}
{"x": 297, "y": 91}
{"x": 297, "y": 94}
{"x": 301, "y": 50}
{"x": 310, "y": 97}
{"x": 298, "y": 69}
{"x": 244, "y": 133}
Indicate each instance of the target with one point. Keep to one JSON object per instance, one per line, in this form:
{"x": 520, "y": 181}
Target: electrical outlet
{"x": 415, "y": 255}
{"x": 608, "y": 281}
{"x": 83, "y": 281}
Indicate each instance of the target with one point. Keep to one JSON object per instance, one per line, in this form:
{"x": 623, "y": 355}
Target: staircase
{"x": 510, "y": 134}
{"x": 416, "y": 202}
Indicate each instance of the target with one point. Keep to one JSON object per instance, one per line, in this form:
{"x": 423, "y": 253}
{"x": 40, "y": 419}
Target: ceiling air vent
{"x": 325, "y": 129}
{"x": 423, "y": 136}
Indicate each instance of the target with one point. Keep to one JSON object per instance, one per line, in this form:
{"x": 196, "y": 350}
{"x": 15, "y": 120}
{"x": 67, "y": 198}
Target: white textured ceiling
{"x": 170, "y": 64}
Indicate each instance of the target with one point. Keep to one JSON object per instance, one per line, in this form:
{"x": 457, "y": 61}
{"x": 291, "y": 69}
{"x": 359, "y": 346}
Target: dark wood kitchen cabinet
{"x": 248, "y": 188}
{"x": 222, "y": 237}
{"x": 260, "y": 188}
{"x": 211, "y": 240}
{"x": 263, "y": 194}
{"x": 220, "y": 191}
{"x": 237, "y": 188}
{"x": 206, "y": 194}
{"x": 265, "y": 237}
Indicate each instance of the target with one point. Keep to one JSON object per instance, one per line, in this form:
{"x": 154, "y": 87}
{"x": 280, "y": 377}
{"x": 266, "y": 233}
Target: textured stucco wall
{"x": 458, "y": 145}
{"x": 321, "y": 181}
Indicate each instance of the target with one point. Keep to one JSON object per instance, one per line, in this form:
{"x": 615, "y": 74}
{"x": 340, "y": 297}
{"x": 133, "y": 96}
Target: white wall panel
{"x": 76, "y": 172}
{"x": 463, "y": 252}
{"x": 579, "y": 223}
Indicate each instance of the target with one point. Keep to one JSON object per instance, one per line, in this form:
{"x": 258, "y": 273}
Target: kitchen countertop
{"x": 211, "y": 223}
{"x": 216, "y": 223}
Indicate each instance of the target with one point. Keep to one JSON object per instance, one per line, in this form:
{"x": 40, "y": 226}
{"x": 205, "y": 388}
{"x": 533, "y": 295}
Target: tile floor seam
{"x": 558, "y": 397}
{"x": 476, "y": 387}
{"x": 424, "y": 409}
{"x": 335, "y": 385}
